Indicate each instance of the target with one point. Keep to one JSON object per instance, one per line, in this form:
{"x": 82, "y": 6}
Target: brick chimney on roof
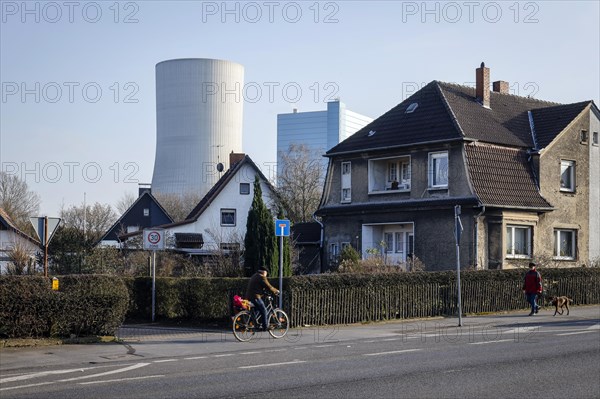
{"x": 235, "y": 158}
{"x": 500, "y": 86}
{"x": 482, "y": 85}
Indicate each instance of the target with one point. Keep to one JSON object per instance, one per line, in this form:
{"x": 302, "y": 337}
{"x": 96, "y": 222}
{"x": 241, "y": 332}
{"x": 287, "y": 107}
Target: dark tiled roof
{"x": 451, "y": 112}
{"x": 549, "y": 122}
{"x": 503, "y": 177}
{"x": 431, "y": 121}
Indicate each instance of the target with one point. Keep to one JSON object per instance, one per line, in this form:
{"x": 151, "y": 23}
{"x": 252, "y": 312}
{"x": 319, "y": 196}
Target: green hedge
{"x": 351, "y": 298}
{"x": 84, "y": 305}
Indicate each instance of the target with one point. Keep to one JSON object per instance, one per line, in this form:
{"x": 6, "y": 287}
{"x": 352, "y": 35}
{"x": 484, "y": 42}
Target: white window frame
{"x": 334, "y": 251}
{"x": 510, "y": 241}
{"x": 558, "y": 234}
{"x": 346, "y": 182}
{"x": 433, "y": 169}
{"x": 146, "y": 212}
{"x": 595, "y": 138}
{"x": 564, "y": 166}
{"x": 228, "y": 210}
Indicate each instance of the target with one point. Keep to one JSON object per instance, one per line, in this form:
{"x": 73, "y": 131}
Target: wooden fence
{"x": 352, "y": 304}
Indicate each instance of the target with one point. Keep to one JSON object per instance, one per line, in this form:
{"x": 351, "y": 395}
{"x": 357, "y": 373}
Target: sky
{"x": 78, "y": 108}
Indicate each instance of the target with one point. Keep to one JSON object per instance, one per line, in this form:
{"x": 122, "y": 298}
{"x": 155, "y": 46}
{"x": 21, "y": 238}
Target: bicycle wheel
{"x": 279, "y": 323}
{"x": 243, "y": 326}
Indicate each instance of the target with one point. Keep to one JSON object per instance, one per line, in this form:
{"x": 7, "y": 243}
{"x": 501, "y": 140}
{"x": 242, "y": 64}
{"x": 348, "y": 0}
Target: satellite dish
{"x": 220, "y": 167}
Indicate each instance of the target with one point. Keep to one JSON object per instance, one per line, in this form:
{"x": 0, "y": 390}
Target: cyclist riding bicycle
{"x": 257, "y": 286}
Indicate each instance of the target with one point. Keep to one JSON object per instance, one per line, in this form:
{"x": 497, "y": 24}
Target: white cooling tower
{"x": 199, "y": 109}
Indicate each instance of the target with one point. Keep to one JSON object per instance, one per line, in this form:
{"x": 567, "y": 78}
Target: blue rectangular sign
{"x": 282, "y": 228}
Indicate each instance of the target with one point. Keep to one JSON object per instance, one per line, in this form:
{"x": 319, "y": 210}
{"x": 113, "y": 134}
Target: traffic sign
{"x": 40, "y": 229}
{"x": 282, "y": 228}
{"x": 154, "y": 239}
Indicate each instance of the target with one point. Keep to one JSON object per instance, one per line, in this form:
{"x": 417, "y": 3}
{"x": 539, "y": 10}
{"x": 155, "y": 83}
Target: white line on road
{"x": 122, "y": 379}
{"x": 272, "y": 364}
{"x": 249, "y": 353}
{"x": 164, "y": 361}
{"x": 391, "y": 352}
{"x": 577, "y": 333}
{"x": 594, "y": 327}
{"x": 135, "y": 366}
{"x": 27, "y": 386}
{"x": 42, "y": 374}
{"x": 323, "y": 346}
{"x": 194, "y": 358}
{"x": 224, "y": 355}
{"x": 490, "y": 342}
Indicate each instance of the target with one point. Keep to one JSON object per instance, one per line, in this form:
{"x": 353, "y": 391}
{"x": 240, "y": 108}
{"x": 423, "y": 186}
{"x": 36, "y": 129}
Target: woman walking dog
{"x": 532, "y": 286}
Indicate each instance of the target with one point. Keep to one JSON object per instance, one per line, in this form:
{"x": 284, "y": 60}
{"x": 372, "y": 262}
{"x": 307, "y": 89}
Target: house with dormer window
{"x": 525, "y": 173}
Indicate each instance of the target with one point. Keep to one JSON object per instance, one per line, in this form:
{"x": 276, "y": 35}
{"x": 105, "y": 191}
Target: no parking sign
{"x": 154, "y": 239}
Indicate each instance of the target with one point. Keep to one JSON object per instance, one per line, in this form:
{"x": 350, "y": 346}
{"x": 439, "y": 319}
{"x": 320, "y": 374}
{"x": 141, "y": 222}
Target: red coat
{"x": 533, "y": 282}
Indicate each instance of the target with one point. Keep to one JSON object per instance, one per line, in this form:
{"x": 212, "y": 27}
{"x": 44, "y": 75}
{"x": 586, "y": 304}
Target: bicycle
{"x": 246, "y": 323}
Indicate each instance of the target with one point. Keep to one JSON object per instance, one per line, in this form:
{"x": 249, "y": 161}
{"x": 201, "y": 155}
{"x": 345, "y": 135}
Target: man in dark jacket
{"x": 532, "y": 286}
{"x": 257, "y": 286}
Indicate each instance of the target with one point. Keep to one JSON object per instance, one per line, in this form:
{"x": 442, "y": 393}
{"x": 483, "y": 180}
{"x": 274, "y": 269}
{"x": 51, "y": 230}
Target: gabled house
{"x": 145, "y": 212}
{"x": 12, "y": 238}
{"x": 218, "y": 221}
{"x": 525, "y": 172}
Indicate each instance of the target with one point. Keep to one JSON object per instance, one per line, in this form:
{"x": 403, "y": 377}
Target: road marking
{"x": 122, "y": 379}
{"x": 42, "y": 374}
{"x": 391, "y": 352}
{"x": 276, "y": 350}
{"x": 224, "y": 355}
{"x": 577, "y": 333}
{"x": 490, "y": 342}
{"x": 594, "y": 327}
{"x": 164, "y": 361}
{"x": 390, "y": 339}
{"x": 135, "y": 366}
{"x": 519, "y": 330}
{"x": 250, "y": 353}
{"x": 272, "y": 364}
{"x": 27, "y": 386}
{"x": 194, "y": 358}
{"x": 323, "y": 346}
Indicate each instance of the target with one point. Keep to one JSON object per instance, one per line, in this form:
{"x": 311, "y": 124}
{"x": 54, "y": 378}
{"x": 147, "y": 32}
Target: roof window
{"x": 371, "y": 133}
{"x": 411, "y": 108}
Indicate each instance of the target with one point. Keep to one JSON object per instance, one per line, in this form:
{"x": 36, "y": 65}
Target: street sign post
{"x": 458, "y": 228}
{"x": 45, "y": 228}
{"x": 154, "y": 240}
{"x": 282, "y": 229}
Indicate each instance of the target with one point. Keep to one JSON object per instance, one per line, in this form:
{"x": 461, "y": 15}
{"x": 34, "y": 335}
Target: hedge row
{"x": 350, "y": 298}
{"x": 84, "y": 305}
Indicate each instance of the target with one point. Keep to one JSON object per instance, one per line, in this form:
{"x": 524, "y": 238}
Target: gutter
{"x": 476, "y": 241}
{"x": 320, "y": 243}
{"x": 328, "y": 155}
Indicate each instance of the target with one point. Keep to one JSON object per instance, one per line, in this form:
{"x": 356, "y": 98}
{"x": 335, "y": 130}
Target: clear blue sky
{"x": 78, "y": 90}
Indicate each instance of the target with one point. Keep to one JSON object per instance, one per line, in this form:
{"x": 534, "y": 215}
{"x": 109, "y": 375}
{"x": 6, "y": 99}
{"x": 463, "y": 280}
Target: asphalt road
{"x": 507, "y": 356}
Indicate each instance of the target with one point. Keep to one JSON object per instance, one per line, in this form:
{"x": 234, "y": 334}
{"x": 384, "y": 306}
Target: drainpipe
{"x": 320, "y": 243}
{"x": 477, "y": 234}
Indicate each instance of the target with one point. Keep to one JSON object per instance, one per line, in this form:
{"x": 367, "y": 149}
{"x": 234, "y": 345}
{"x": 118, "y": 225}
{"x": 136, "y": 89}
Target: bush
{"x": 84, "y": 305}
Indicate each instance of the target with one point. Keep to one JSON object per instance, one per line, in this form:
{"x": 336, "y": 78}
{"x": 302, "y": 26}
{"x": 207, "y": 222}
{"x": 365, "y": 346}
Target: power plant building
{"x": 317, "y": 130}
{"x": 198, "y": 123}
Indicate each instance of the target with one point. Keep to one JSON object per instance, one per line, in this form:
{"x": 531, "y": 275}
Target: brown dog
{"x": 560, "y": 302}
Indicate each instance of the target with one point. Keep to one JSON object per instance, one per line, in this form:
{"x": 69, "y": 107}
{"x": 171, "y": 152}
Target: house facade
{"x": 218, "y": 221}
{"x": 12, "y": 238}
{"x": 524, "y": 172}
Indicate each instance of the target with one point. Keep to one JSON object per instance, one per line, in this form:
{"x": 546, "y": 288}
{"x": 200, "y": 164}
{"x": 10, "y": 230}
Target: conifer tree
{"x": 260, "y": 243}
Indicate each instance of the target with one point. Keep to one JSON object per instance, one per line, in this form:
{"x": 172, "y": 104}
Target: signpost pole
{"x": 45, "y": 246}
{"x": 458, "y": 231}
{"x": 281, "y": 270}
{"x": 153, "y": 283}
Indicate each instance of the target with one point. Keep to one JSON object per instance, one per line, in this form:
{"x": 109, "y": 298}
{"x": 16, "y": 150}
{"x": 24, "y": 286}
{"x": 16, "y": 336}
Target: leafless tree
{"x": 178, "y": 206}
{"x": 22, "y": 260}
{"x": 300, "y": 183}
{"x": 125, "y": 202}
{"x": 94, "y": 219}
{"x": 17, "y": 200}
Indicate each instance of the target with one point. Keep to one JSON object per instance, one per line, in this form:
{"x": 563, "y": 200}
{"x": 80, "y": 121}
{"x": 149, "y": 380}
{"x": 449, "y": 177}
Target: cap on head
{"x": 263, "y": 270}
{"x": 532, "y": 264}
